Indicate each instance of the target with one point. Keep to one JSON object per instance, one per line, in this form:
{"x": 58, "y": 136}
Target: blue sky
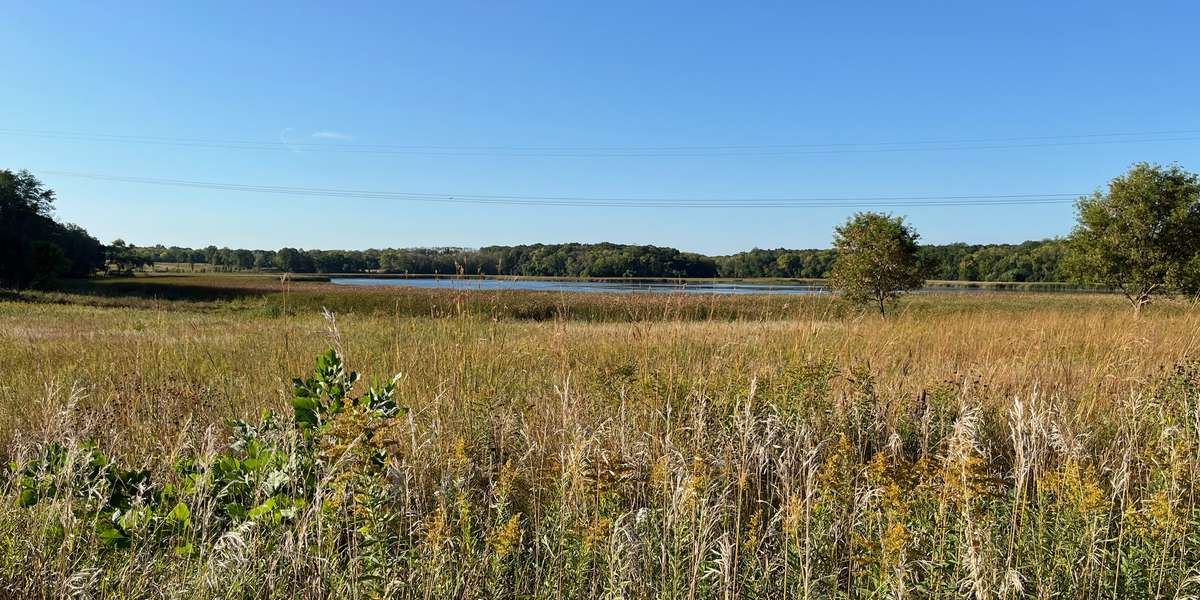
{"x": 585, "y": 75}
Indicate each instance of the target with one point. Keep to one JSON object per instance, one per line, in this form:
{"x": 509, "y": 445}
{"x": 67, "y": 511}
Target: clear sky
{"x": 310, "y": 85}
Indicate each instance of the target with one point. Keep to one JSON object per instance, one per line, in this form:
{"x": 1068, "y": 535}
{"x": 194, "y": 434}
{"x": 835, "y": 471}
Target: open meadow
{"x": 995, "y": 445}
{"x": 599, "y": 301}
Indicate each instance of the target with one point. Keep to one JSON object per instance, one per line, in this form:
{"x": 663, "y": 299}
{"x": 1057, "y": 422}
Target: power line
{"x": 591, "y": 201}
{"x": 1089, "y": 139}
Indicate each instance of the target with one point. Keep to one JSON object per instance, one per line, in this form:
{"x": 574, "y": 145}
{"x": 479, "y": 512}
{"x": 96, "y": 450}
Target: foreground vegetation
{"x": 565, "y": 446}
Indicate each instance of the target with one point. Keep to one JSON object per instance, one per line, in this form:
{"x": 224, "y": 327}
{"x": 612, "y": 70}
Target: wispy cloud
{"x": 283, "y": 139}
{"x": 331, "y": 135}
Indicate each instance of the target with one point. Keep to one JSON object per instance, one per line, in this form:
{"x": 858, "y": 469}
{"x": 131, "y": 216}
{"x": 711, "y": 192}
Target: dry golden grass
{"x": 794, "y": 416}
{"x": 210, "y": 366}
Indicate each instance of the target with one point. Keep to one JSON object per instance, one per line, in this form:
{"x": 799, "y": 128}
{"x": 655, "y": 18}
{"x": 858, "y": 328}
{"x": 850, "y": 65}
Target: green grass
{"x": 1003, "y": 445}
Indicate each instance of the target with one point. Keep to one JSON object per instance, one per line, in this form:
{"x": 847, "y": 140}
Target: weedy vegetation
{"x": 518, "y": 445}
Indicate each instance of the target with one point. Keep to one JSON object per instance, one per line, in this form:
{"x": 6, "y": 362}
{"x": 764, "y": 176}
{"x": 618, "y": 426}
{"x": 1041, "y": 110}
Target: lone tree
{"x": 876, "y": 259}
{"x": 1142, "y": 236}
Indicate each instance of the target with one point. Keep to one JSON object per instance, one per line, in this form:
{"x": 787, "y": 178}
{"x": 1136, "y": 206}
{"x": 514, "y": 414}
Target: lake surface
{"x": 566, "y": 285}
{"x": 669, "y": 287}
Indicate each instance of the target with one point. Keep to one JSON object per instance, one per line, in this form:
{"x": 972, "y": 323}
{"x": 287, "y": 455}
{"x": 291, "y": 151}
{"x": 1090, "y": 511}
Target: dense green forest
{"x": 34, "y": 247}
{"x": 1029, "y": 261}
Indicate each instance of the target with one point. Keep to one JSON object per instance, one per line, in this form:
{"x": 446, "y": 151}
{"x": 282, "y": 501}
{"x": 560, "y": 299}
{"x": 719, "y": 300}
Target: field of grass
{"x": 541, "y": 445}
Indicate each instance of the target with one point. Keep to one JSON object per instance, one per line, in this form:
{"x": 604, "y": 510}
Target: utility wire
{"x": 1144, "y": 137}
{"x": 588, "y": 201}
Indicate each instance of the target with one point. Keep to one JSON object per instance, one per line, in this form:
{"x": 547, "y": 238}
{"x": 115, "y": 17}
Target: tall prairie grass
{"x": 988, "y": 446}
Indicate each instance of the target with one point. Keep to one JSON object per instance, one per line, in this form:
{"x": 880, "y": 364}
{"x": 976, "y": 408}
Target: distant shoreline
{"x": 1031, "y": 286}
{"x": 949, "y": 284}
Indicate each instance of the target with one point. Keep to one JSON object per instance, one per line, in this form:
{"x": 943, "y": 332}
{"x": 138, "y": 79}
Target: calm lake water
{"x": 541, "y": 285}
{"x": 665, "y": 287}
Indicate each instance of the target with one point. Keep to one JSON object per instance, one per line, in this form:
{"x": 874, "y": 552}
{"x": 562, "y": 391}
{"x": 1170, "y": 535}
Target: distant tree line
{"x": 1029, "y": 261}
{"x": 564, "y": 260}
{"x": 1141, "y": 237}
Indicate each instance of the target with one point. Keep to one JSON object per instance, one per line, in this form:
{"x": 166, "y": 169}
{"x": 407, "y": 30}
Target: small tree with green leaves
{"x": 876, "y": 259}
{"x": 1141, "y": 236}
